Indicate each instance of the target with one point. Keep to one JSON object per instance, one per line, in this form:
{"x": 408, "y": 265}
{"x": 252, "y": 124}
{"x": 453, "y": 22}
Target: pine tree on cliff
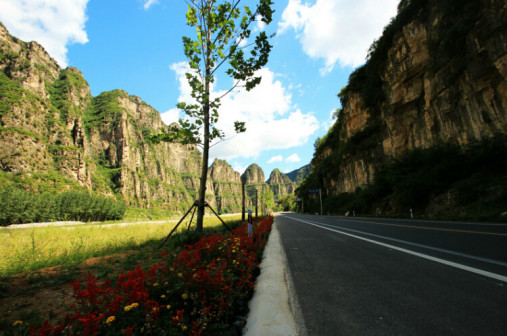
{"x": 222, "y": 29}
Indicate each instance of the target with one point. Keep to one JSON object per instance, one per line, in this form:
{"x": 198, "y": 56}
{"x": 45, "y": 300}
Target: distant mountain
{"x": 55, "y": 136}
{"x": 280, "y": 183}
{"x": 299, "y": 175}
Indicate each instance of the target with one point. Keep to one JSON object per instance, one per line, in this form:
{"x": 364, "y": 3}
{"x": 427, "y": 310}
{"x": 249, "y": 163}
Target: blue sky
{"x": 135, "y": 45}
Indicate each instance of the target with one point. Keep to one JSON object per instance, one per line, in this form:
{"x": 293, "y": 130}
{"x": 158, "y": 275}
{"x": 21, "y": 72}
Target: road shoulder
{"x": 273, "y": 308}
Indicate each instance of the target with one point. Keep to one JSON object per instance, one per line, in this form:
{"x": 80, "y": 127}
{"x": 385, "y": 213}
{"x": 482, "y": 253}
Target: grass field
{"x": 31, "y": 249}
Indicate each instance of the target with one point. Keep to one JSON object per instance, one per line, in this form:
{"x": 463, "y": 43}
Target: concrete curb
{"x": 273, "y": 308}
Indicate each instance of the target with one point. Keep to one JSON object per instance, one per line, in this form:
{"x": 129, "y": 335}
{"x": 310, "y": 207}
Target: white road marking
{"x": 417, "y": 254}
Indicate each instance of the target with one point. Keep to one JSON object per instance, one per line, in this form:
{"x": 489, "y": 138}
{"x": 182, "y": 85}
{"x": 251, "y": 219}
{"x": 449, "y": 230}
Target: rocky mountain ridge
{"x": 437, "y": 76}
{"x": 55, "y": 136}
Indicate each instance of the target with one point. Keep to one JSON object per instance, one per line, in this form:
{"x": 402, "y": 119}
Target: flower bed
{"x": 194, "y": 292}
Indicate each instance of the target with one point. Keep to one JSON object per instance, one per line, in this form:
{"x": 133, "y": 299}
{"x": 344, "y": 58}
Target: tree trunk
{"x": 205, "y": 150}
{"x": 243, "y": 200}
{"x": 204, "y": 176}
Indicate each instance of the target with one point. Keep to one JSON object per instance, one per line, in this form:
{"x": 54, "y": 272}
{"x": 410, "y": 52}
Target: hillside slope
{"x": 434, "y": 84}
{"x": 55, "y": 136}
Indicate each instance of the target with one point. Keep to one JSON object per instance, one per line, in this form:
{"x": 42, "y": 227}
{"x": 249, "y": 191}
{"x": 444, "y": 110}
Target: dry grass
{"x": 31, "y": 249}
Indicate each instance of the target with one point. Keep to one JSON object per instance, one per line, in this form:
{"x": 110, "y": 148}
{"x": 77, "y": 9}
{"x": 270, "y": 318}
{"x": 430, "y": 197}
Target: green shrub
{"x": 19, "y": 206}
{"x": 477, "y": 174}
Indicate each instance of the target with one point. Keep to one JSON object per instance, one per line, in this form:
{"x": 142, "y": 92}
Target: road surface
{"x": 365, "y": 276}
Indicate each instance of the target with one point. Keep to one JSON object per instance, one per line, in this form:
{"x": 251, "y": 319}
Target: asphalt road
{"x": 364, "y": 276}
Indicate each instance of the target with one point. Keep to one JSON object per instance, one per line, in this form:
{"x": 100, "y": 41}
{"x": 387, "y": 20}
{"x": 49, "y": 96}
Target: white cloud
{"x": 54, "y": 24}
{"x": 274, "y": 159}
{"x": 326, "y": 125}
{"x": 238, "y": 167}
{"x": 180, "y": 69}
{"x": 149, "y": 3}
{"x": 272, "y": 121}
{"x": 259, "y": 24}
{"x": 170, "y": 116}
{"x": 337, "y": 30}
{"x": 293, "y": 158}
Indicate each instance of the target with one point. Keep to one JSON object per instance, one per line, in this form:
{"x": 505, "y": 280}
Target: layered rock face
{"x": 54, "y": 135}
{"x": 277, "y": 185}
{"x": 280, "y": 183}
{"x": 41, "y": 111}
{"x": 146, "y": 174}
{"x": 255, "y": 185}
{"x": 227, "y": 186}
{"x": 438, "y": 75}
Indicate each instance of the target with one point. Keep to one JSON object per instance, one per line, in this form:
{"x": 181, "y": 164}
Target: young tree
{"x": 223, "y": 36}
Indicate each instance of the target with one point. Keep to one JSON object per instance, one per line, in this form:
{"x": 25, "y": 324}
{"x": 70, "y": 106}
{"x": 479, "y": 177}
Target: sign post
{"x": 320, "y": 195}
{"x": 250, "y": 223}
{"x": 317, "y": 191}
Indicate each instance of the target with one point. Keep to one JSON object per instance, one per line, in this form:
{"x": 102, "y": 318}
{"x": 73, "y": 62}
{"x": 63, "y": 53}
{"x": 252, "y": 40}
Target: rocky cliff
{"x": 255, "y": 185}
{"x": 226, "y": 186}
{"x": 280, "y": 183}
{"x": 42, "y": 115}
{"x": 54, "y": 136}
{"x": 437, "y": 75}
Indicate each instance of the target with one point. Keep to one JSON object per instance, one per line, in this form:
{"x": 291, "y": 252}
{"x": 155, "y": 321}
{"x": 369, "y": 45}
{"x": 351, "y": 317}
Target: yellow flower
{"x": 168, "y": 306}
{"x": 154, "y": 309}
{"x": 166, "y": 283}
{"x": 110, "y": 319}
{"x": 129, "y": 307}
{"x": 184, "y": 328}
{"x": 184, "y": 296}
{"x": 155, "y": 284}
{"x": 16, "y": 323}
{"x": 162, "y": 296}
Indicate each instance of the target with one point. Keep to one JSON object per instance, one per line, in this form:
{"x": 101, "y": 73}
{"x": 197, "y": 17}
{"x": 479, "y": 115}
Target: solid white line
{"x": 468, "y": 256}
{"x": 417, "y": 254}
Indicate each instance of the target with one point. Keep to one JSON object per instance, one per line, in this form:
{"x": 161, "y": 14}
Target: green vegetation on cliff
{"x": 416, "y": 129}
{"x": 445, "y": 181}
{"x": 103, "y": 108}
{"x": 60, "y": 93}
{"x": 12, "y": 94}
{"x": 300, "y": 174}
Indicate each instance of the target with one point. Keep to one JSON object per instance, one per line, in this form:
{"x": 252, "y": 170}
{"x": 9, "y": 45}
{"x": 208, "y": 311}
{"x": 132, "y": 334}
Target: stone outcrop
{"x": 227, "y": 186}
{"x": 55, "y": 136}
{"x": 280, "y": 183}
{"x": 255, "y": 186}
{"x": 41, "y": 110}
{"x": 437, "y": 75}
{"x": 253, "y": 174}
